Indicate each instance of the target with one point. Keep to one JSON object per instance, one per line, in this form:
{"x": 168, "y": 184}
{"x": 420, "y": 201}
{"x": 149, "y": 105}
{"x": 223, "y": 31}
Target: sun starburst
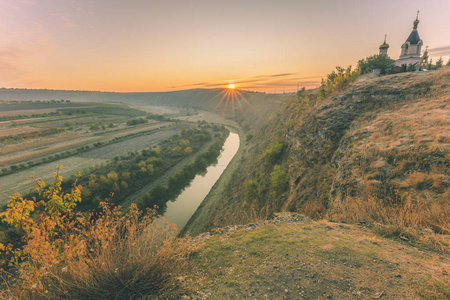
{"x": 230, "y": 96}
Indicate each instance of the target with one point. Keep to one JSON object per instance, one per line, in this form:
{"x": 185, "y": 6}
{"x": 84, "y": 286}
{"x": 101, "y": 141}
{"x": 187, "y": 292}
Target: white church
{"x": 411, "y": 50}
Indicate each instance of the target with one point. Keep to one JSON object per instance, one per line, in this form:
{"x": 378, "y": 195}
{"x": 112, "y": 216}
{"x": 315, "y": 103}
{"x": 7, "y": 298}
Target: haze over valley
{"x": 212, "y": 150}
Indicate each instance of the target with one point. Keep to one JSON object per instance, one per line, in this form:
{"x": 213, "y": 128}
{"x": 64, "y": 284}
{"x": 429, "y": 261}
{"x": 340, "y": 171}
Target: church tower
{"x": 384, "y": 48}
{"x": 411, "y": 48}
{"x": 424, "y": 60}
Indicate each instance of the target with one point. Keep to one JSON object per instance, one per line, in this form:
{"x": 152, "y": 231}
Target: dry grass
{"x": 118, "y": 256}
{"x": 405, "y": 218}
{"x": 249, "y": 215}
{"x": 16, "y": 130}
{"x": 38, "y": 142}
{"x": 314, "y": 260}
{"x": 394, "y": 169}
{"x": 26, "y": 112}
{"x": 64, "y": 146}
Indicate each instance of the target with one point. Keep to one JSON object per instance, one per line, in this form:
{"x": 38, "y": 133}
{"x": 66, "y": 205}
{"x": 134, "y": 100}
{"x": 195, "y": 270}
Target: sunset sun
{"x": 231, "y": 86}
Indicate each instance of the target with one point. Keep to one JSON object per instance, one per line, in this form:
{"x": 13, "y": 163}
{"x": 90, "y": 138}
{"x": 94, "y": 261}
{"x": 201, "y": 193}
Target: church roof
{"x": 384, "y": 46}
{"x": 413, "y": 37}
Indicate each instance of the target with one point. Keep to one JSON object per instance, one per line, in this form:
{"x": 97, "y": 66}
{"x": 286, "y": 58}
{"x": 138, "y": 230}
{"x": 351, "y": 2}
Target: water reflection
{"x": 184, "y": 206}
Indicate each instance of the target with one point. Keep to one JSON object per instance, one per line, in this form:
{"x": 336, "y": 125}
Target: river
{"x": 183, "y": 207}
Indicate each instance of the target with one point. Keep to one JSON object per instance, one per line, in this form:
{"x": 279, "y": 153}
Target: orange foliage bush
{"x": 110, "y": 254}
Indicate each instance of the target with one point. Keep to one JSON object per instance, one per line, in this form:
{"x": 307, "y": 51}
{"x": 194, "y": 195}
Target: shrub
{"x": 337, "y": 80}
{"x": 251, "y": 189}
{"x": 107, "y": 255}
{"x": 136, "y": 121}
{"x": 280, "y": 179}
{"x": 273, "y": 155}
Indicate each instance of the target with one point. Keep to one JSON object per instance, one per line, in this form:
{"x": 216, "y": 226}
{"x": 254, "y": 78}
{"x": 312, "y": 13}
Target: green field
{"x": 78, "y": 137}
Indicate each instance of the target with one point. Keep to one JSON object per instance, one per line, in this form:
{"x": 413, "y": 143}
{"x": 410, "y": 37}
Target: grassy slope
{"x": 383, "y": 139}
{"x": 301, "y": 259}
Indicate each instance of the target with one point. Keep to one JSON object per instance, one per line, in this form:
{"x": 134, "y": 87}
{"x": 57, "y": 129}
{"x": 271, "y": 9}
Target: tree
{"x": 411, "y": 68}
{"x": 439, "y": 63}
{"x": 301, "y": 92}
{"x": 448, "y": 63}
{"x": 376, "y": 62}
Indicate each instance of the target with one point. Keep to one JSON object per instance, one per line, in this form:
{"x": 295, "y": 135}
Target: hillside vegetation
{"x": 376, "y": 151}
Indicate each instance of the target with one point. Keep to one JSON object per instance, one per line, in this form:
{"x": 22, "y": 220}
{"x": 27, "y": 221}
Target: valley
{"x": 364, "y": 168}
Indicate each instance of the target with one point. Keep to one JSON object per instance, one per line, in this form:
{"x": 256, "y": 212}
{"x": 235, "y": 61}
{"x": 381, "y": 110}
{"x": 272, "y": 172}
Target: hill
{"x": 376, "y": 151}
{"x": 194, "y": 98}
{"x": 373, "y": 158}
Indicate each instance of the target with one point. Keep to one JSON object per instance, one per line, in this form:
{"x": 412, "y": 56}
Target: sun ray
{"x": 232, "y": 98}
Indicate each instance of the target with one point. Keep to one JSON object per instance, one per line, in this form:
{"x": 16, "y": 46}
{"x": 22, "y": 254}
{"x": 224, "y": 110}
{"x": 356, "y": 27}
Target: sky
{"x": 165, "y": 45}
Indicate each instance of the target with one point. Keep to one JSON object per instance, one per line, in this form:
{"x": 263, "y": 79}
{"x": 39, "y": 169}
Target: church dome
{"x": 413, "y": 37}
{"x": 384, "y": 46}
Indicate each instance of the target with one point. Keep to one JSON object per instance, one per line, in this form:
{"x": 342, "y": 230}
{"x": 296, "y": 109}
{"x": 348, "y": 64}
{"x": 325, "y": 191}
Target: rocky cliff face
{"x": 386, "y": 138}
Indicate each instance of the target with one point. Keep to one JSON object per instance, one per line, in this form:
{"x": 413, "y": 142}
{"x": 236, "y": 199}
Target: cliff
{"x": 377, "y": 151}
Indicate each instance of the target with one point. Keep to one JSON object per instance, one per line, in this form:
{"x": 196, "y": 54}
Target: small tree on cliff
{"x": 374, "y": 62}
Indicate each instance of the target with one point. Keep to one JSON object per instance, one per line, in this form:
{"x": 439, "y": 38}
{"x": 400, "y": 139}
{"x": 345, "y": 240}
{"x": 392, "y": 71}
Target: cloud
{"x": 440, "y": 51}
{"x": 274, "y": 75}
{"x": 289, "y": 81}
